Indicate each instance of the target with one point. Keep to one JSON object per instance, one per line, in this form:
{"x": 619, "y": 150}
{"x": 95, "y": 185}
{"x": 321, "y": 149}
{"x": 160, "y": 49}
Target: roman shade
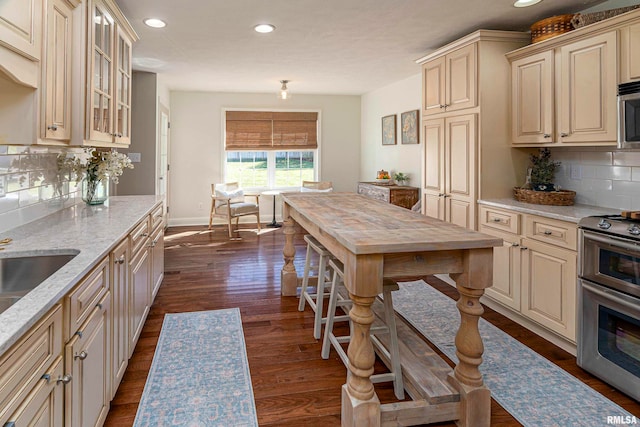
{"x": 267, "y": 130}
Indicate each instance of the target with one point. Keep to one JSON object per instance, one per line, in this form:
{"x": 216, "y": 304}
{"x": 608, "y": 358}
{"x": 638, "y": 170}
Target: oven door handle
{"x": 612, "y": 241}
{"x": 611, "y": 295}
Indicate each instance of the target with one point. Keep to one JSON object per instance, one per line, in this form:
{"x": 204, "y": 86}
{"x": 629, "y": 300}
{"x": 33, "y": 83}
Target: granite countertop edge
{"x": 91, "y": 231}
{"x": 563, "y": 213}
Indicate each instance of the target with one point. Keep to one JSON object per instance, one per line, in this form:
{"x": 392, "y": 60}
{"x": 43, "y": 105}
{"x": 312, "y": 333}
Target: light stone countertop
{"x": 92, "y": 231}
{"x": 564, "y": 213}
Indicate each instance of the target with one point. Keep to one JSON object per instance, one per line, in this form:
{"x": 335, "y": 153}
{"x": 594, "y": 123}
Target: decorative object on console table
{"x": 383, "y": 177}
{"x": 409, "y": 127}
{"x": 389, "y": 130}
{"x": 95, "y": 169}
{"x": 402, "y": 196}
{"x": 401, "y": 178}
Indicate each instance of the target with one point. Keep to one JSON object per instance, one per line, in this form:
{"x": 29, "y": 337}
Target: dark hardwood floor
{"x": 292, "y": 384}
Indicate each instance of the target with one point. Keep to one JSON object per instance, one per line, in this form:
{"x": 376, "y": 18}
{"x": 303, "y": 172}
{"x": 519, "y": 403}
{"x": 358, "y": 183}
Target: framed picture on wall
{"x": 409, "y": 127}
{"x": 389, "y": 130}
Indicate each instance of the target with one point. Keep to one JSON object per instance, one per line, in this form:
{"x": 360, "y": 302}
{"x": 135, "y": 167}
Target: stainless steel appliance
{"x": 609, "y": 301}
{"x": 629, "y": 115}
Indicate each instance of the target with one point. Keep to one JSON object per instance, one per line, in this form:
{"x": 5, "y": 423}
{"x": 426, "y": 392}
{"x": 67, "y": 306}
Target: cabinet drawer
{"x": 139, "y": 235}
{"x": 24, "y": 364}
{"x": 81, "y": 301}
{"x": 499, "y": 220}
{"x": 156, "y": 218}
{"x": 558, "y": 233}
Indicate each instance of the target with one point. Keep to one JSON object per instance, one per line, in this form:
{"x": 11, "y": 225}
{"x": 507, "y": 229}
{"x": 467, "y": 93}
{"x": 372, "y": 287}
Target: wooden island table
{"x": 373, "y": 240}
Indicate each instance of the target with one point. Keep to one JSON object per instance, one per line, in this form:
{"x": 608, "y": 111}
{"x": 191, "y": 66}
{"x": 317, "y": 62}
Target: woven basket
{"x": 551, "y": 27}
{"x": 555, "y": 198}
{"x": 582, "y": 19}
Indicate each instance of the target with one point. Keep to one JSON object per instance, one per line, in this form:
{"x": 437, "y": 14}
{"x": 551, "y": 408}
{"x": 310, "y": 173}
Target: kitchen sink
{"x": 21, "y": 274}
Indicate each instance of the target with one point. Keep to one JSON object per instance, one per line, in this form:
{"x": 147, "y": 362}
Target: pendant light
{"x": 284, "y": 93}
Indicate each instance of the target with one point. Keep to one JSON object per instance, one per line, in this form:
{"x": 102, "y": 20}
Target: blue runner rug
{"x": 532, "y": 389}
{"x": 199, "y": 375}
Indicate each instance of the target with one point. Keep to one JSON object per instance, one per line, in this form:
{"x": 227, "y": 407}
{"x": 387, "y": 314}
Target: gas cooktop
{"x": 619, "y": 225}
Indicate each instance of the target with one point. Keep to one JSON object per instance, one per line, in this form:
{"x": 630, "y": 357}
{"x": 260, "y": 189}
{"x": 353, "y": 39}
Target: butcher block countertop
{"x": 381, "y": 227}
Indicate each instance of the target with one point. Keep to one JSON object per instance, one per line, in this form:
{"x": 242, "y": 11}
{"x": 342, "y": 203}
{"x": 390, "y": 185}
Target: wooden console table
{"x": 399, "y": 195}
{"x": 375, "y": 240}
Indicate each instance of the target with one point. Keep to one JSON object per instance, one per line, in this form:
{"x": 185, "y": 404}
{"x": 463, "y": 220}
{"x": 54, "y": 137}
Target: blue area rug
{"x": 199, "y": 375}
{"x": 533, "y": 390}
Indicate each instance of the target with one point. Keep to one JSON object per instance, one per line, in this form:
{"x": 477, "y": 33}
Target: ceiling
{"x": 347, "y": 47}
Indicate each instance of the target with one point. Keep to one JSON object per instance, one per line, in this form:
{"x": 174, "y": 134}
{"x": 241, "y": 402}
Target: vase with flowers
{"x": 96, "y": 169}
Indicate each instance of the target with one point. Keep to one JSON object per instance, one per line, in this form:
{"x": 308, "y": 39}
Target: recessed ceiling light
{"x": 525, "y": 3}
{"x": 264, "y": 28}
{"x": 155, "y": 23}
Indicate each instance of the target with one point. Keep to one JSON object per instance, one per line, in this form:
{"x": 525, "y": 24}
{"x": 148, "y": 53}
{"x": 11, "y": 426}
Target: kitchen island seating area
{"x": 375, "y": 240}
{"x": 228, "y": 200}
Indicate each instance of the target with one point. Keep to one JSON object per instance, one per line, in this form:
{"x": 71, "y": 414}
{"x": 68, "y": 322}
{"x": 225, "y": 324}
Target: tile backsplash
{"x": 31, "y": 184}
{"x": 600, "y": 177}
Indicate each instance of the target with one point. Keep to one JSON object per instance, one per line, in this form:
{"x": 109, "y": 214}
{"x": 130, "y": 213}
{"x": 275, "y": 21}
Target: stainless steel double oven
{"x": 609, "y": 301}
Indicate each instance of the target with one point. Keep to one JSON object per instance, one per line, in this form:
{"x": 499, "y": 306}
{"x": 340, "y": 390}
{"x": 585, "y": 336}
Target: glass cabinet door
{"x": 102, "y": 65}
{"x": 123, "y": 90}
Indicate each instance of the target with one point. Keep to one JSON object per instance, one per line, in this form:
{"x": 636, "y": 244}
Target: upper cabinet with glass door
{"x": 108, "y": 98}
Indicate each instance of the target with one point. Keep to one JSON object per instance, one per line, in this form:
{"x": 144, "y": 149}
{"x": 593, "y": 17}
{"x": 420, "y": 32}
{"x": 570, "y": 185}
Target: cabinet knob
{"x": 496, "y": 219}
{"x": 546, "y": 135}
{"x": 547, "y": 233}
{"x": 515, "y": 245}
{"x": 83, "y": 355}
{"x": 66, "y": 379}
{"x": 523, "y": 248}
{"x": 99, "y": 305}
{"x": 440, "y": 194}
{"x": 52, "y": 127}
{"x": 447, "y": 195}
{"x": 564, "y": 135}
{"x": 120, "y": 260}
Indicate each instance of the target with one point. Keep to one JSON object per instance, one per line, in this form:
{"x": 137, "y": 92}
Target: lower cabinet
{"x": 549, "y": 277}
{"x": 66, "y": 369}
{"x": 44, "y": 406}
{"x": 119, "y": 265}
{"x": 87, "y": 359}
{"x": 157, "y": 260}
{"x": 535, "y": 270}
{"x": 139, "y": 294}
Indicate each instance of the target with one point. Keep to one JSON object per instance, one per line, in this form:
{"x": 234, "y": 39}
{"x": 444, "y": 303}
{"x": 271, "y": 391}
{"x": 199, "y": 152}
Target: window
{"x": 270, "y": 149}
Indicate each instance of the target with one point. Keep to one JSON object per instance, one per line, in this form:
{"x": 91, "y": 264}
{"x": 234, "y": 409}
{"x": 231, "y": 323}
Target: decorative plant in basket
{"x": 543, "y": 170}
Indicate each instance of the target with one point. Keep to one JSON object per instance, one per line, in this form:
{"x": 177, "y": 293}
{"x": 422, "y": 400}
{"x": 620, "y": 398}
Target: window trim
{"x": 317, "y": 151}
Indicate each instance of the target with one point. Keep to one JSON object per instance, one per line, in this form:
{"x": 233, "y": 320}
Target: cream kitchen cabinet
{"x": 535, "y": 271}
{"x": 55, "y": 118}
{"x": 119, "y": 266}
{"x": 21, "y": 39}
{"x": 449, "y": 81}
{"x": 629, "y": 58}
{"x": 29, "y": 372}
{"x": 566, "y": 94}
{"x": 450, "y": 159}
{"x": 156, "y": 249}
{"x": 87, "y": 360}
{"x": 108, "y": 101}
{"x": 139, "y": 282}
{"x": 470, "y": 142}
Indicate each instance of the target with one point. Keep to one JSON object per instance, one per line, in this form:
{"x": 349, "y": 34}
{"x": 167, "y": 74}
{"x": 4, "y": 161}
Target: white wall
{"x": 197, "y": 145}
{"x": 395, "y": 98}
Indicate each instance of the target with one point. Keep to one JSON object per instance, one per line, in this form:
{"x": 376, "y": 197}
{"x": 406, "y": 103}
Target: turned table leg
{"x": 360, "y": 405}
{"x": 475, "y": 397}
{"x": 288, "y": 275}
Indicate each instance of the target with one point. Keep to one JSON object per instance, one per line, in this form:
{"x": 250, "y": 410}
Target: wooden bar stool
{"x": 316, "y": 300}
{"x": 388, "y": 326}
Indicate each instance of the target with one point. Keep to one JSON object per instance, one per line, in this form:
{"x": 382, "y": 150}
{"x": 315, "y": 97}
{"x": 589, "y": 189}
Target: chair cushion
{"x": 236, "y": 196}
{"x": 313, "y": 190}
{"x": 242, "y": 208}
